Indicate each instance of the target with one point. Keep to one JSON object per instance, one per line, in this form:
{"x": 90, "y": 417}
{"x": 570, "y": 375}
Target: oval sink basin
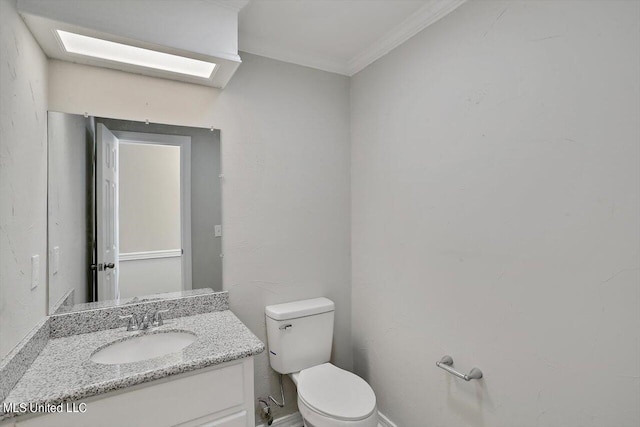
{"x": 143, "y": 347}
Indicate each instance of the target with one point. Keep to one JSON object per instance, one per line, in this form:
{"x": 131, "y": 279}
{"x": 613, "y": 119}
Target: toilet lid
{"x": 335, "y": 392}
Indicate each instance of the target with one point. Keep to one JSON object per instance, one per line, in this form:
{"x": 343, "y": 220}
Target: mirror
{"x": 134, "y": 211}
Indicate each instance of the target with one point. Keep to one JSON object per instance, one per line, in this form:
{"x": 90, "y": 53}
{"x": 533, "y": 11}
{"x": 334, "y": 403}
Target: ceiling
{"x": 340, "y": 36}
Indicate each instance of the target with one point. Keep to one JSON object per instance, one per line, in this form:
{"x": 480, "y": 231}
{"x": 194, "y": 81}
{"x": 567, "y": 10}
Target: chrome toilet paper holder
{"x": 446, "y": 363}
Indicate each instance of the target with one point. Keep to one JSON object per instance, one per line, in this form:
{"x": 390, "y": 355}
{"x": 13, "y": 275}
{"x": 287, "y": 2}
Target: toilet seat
{"x": 336, "y": 393}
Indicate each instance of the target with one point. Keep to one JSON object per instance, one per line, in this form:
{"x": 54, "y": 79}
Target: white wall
{"x": 496, "y": 217}
{"x": 149, "y": 199}
{"x": 149, "y": 214}
{"x": 77, "y": 89}
{"x": 149, "y": 276}
{"x": 23, "y": 178}
{"x": 70, "y": 184}
{"x": 285, "y": 159}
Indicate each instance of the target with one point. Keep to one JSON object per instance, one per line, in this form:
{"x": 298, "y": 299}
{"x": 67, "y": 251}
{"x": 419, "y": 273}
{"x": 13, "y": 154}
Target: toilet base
{"x": 311, "y": 418}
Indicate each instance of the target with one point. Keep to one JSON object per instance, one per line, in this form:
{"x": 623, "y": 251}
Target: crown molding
{"x": 258, "y": 46}
{"x": 431, "y": 12}
{"x": 428, "y": 14}
{"x": 236, "y": 5}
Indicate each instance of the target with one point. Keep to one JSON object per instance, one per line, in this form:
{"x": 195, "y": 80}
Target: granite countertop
{"x": 63, "y": 371}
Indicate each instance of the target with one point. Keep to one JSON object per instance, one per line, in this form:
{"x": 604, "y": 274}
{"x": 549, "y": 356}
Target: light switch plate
{"x": 35, "y": 271}
{"x": 218, "y": 230}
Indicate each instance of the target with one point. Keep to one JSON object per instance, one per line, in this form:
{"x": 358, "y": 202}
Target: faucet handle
{"x": 132, "y": 324}
{"x": 157, "y": 317}
{"x": 144, "y": 321}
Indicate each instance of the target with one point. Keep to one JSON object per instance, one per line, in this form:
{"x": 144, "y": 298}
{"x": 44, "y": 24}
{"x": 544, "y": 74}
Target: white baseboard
{"x": 291, "y": 420}
{"x": 383, "y": 421}
{"x": 295, "y": 420}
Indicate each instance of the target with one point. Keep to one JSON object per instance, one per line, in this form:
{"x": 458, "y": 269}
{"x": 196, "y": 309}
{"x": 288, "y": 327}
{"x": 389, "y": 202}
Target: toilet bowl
{"x": 300, "y": 337}
{"x": 332, "y": 397}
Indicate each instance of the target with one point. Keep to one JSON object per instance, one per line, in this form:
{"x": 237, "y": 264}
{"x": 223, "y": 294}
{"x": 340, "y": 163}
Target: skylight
{"x": 118, "y": 52}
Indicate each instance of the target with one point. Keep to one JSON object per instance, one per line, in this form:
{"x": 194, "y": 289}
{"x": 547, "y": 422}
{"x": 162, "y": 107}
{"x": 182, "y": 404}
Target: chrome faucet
{"x": 146, "y": 321}
{"x": 157, "y": 317}
{"x": 132, "y": 324}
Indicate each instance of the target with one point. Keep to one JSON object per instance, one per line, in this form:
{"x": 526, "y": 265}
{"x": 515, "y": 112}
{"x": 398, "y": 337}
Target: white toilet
{"x": 300, "y": 335}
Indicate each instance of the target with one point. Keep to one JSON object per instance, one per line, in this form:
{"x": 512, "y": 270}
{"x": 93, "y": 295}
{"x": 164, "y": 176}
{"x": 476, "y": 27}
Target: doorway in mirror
{"x": 150, "y": 201}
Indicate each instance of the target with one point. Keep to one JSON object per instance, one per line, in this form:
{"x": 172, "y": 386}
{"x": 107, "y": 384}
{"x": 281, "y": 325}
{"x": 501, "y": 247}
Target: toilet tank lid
{"x": 295, "y": 309}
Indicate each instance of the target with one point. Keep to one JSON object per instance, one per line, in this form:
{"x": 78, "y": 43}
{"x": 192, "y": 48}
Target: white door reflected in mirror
{"x": 107, "y": 194}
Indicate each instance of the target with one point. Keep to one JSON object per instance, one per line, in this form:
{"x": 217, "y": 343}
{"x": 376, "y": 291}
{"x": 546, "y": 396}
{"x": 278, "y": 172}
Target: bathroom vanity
{"x": 191, "y": 370}
{"x": 220, "y": 396}
{"x": 136, "y": 334}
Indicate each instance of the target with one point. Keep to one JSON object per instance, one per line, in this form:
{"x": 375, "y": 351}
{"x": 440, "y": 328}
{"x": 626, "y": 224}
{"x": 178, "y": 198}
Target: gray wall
{"x": 206, "y": 209}
{"x": 206, "y": 196}
{"x": 496, "y": 217}
{"x": 285, "y": 131}
{"x": 23, "y": 178}
{"x": 70, "y": 199}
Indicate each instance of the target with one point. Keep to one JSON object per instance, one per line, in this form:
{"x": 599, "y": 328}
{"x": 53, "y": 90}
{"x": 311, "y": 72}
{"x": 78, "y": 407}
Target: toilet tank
{"x": 299, "y": 334}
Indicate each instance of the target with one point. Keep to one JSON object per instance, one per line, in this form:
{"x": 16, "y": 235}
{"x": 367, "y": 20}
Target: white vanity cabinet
{"x": 216, "y": 396}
